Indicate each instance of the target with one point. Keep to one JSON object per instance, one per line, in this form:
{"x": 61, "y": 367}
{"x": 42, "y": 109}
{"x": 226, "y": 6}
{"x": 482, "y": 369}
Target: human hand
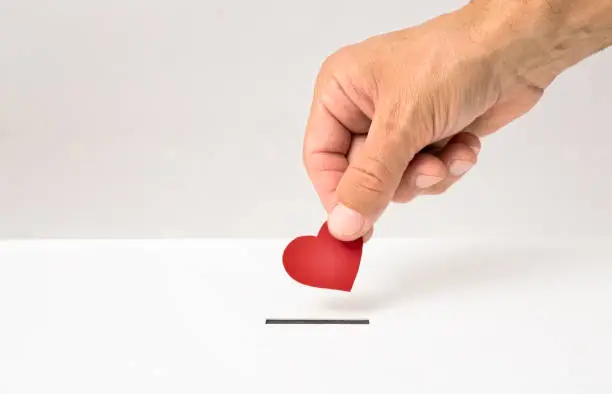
{"x": 400, "y": 115}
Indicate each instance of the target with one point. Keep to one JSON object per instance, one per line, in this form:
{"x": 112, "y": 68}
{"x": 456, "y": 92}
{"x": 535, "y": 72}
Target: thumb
{"x": 371, "y": 179}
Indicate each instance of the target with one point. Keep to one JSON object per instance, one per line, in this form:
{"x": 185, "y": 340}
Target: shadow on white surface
{"x": 189, "y": 317}
{"x": 439, "y": 273}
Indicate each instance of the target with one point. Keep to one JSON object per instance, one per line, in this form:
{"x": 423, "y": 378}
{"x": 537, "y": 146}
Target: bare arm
{"x": 540, "y": 39}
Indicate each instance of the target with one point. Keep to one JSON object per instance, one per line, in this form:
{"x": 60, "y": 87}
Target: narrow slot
{"x": 318, "y": 321}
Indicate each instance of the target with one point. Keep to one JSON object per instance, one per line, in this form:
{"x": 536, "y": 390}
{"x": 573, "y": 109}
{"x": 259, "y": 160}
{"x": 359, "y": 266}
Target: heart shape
{"x": 323, "y": 261}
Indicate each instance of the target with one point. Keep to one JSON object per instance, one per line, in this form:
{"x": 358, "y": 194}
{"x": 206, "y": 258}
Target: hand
{"x": 400, "y": 115}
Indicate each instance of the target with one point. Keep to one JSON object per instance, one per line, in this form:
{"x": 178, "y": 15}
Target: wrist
{"x": 537, "y": 40}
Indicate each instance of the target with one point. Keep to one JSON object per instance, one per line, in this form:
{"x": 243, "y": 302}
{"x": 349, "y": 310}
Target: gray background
{"x": 185, "y": 118}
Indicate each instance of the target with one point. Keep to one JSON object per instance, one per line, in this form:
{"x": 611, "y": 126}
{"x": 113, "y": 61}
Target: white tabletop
{"x": 188, "y": 317}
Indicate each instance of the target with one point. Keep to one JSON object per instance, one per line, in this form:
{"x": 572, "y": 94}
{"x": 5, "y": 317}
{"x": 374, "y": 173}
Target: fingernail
{"x": 426, "y": 181}
{"x": 476, "y": 149}
{"x": 345, "y": 222}
{"x": 460, "y": 167}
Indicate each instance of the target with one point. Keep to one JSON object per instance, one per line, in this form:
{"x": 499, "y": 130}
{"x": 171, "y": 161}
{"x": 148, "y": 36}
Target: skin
{"x": 401, "y": 114}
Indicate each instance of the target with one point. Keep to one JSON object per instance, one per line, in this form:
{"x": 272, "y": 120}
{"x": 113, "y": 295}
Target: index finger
{"x": 326, "y": 146}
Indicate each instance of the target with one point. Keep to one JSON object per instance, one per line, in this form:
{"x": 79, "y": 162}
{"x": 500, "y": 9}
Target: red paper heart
{"x": 323, "y": 261}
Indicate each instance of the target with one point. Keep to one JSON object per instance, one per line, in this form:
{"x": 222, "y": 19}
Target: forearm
{"x": 539, "y": 39}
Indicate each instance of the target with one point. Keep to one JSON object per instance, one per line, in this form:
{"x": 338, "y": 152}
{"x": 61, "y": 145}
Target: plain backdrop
{"x": 185, "y": 118}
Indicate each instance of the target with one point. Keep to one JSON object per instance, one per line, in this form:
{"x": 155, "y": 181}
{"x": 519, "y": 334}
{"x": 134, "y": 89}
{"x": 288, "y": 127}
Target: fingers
{"x": 459, "y": 156}
{"x": 333, "y": 119}
{"x": 372, "y": 177}
{"x": 326, "y": 144}
{"x": 433, "y": 173}
{"x": 424, "y": 171}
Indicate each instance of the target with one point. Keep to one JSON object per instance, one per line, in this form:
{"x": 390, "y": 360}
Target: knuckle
{"x": 464, "y": 151}
{"x": 332, "y": 68}
{"x": 369, "y": 181}
{"x": 328, "y": 64}
{"x": 467, "y": 138}
{"x": 308, "y": 155}
{"x": 332, "y": 62}
{"x": 373, "y": 175}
